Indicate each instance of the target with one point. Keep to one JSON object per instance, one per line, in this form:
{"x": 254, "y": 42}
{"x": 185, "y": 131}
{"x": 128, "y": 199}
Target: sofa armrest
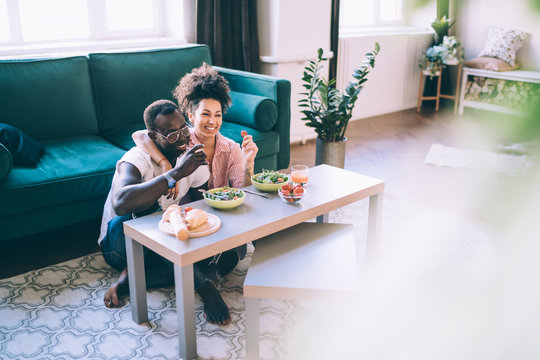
{"x": 6, "y": 161}
{"x": 276, "y": 89}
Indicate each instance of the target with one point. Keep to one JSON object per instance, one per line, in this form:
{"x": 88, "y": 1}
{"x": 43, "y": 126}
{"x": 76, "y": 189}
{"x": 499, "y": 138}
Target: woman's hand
{"x": 165, "y": 166}
{"x": 249, "y": 150}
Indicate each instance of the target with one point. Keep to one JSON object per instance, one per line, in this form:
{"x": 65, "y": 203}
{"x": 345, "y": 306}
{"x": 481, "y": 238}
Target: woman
{"x": 204, "y": 96}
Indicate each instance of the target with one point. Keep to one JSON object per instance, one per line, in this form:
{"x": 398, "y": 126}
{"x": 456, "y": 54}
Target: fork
{"x": 256, "y": 193}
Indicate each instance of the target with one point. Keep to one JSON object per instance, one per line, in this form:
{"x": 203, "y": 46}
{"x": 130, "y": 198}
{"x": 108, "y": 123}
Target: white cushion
{"x": 503, "y": 44}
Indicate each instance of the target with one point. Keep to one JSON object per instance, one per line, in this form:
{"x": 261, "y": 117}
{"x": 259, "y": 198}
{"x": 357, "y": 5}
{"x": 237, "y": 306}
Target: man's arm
{"x": 130, "y": 194}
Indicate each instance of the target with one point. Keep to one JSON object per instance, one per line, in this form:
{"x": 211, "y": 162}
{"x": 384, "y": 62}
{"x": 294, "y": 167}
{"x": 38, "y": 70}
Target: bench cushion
{"x": 71, "y": 170}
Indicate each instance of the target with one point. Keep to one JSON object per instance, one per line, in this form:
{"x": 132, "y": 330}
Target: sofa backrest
{"x": 48, "y": 99}
{"x": 125, "y": 83}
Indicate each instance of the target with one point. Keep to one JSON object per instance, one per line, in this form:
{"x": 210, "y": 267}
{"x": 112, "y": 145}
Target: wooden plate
{"x": 209, "y": 227}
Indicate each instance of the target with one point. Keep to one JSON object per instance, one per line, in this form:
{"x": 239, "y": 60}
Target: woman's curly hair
{"x": 202, "y": 83}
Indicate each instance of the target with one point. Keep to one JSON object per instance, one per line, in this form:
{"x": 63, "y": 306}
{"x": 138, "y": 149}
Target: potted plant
{"x": 327, "y": 110}
{"x": 433, "y": 60}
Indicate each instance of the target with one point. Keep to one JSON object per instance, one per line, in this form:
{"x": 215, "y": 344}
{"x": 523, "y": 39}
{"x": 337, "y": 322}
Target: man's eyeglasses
{"x": 175, "y": 135}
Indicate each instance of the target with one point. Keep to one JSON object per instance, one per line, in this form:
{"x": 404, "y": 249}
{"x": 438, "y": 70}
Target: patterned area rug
{"x": 57, "y": 312}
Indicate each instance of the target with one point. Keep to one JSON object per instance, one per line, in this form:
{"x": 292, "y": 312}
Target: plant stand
{"x": 438, "y": 95}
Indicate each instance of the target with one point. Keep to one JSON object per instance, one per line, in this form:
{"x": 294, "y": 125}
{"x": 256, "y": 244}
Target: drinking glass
{"x": 299, "y": 174}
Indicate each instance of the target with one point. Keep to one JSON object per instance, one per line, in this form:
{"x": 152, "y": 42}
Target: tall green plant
{"x": 328, "y": 110}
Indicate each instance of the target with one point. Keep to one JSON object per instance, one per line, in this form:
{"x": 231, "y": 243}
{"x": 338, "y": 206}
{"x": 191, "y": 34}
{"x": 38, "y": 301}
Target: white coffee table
{"x": 329, "y": 188}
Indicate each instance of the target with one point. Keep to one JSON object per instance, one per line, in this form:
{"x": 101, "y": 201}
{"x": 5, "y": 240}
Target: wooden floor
{"x": 391, "y": 147}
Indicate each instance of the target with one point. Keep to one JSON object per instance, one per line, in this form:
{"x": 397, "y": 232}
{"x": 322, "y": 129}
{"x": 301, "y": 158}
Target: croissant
{"x": 195, "y": 218}
{"x": 173, "y": 215}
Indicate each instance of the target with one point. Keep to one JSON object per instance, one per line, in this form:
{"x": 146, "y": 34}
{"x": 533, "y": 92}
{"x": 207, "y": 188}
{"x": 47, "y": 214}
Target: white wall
{"x": 476, "y": 16}
{"x": 393, "y": 84}
{"x": 289, "y": 33}
{"x": 292, "y": 31}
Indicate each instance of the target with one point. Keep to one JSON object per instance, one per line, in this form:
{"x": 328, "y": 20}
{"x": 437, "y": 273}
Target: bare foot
{"x": 120, "y": 287}
{"x": 215, "y": 309}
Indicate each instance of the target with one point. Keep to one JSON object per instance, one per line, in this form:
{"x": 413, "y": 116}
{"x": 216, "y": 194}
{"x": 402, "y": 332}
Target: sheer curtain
{"x": 229, "y": 28}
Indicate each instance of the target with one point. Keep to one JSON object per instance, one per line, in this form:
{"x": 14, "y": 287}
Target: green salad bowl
{"x": 224, "y": 204}
{"x": 267, "y": 187}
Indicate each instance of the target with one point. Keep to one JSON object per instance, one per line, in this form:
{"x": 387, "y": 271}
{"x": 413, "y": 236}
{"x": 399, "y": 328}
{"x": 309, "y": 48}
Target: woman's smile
{"x": 207, "y": 117}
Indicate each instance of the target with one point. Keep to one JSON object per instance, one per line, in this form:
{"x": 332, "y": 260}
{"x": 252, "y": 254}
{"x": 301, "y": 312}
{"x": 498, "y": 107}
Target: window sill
{"x": 383, "y": 30}
{"x": 84, "y": 47}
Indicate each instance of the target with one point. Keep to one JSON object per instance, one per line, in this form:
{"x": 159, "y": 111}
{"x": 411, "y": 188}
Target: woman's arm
{"x": 249, "y": 151}
{"x": 143, "y": 142}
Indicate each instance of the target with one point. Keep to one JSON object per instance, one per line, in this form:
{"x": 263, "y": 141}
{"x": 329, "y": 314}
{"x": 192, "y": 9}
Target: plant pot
{"x": 431, "y": 73}
{"x": 330, "y": 153}
{"x": 451, "y": 61}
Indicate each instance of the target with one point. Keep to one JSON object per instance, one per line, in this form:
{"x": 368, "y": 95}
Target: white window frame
{"x": 169, "y": 30}
{"x": 377, "y": 21}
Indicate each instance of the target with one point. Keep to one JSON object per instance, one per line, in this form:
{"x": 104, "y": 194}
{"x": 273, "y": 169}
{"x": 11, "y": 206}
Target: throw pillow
{"x": 503, "y": 44}
{"x": 6, "y": 162}
{"x": 24, "y": 150}
{"x": 489, "y": 63}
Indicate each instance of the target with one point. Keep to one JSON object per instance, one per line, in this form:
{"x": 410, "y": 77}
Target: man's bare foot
{"x": 215, "y": 309}
{"x": 120, "y": 287}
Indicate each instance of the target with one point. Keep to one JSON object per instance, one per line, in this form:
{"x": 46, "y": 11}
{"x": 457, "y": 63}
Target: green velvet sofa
{"x": 83, "y": 110}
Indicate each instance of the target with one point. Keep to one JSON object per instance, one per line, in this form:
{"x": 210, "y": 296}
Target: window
{"x": 355, "y": 14}
{"x": 69, "y": 23}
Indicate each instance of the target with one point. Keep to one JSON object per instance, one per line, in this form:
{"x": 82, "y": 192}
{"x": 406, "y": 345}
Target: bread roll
{"x": 173, "y": 215}
{"x": 195, "y": 218}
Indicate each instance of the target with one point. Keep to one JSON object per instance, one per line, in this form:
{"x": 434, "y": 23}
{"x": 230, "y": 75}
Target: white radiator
{"x": 393, "y": 84}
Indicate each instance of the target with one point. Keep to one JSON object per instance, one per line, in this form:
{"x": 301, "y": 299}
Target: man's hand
{"x": 165, "y": 166}
{"x": 194, "y": 158}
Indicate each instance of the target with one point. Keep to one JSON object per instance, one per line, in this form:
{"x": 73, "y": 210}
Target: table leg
{"x": 252, "y": 328}
{"x": 137, "y": 281}
{"x": 322, "y": 218}
{"x": 185, "y": 309}
{"x": 374, "y": 226}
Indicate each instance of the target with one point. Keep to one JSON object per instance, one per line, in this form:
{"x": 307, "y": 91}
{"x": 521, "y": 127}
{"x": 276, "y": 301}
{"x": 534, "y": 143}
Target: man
{"x": 140, "y": 187}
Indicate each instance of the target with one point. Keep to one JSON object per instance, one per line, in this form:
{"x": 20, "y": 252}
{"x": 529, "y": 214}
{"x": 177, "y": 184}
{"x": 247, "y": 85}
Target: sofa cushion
{"x": 257, "y": 112}
{"x": 71, "y": 170}
{"x": 267, "y": 141}
{"x": 121, "y": 136}
{"x": 24, "y": 150}
{"x": 48, "y": 99}
{"x": 127, "y": 82}
{"x": 6, "y": 162}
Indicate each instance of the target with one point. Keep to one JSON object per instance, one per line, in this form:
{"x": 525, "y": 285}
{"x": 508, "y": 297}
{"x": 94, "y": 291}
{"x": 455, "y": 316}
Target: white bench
{"x": 514, "y": 75}
{"x": 310, "y": 261}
